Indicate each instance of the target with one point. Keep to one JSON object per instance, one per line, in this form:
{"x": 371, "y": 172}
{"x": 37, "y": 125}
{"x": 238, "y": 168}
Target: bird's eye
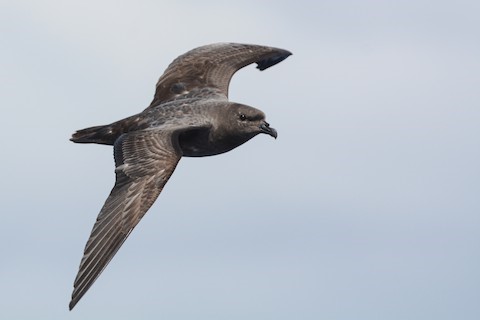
{"x": 243, "y": 117}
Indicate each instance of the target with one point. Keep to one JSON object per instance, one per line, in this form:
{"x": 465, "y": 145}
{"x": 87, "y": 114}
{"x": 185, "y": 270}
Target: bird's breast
{"x": 196, "y": 143}
{"x": 201, "y": 143}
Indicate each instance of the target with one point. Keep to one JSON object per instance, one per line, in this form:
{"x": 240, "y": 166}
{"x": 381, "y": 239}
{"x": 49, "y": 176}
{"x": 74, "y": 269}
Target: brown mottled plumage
{"x": 191, "y": 116}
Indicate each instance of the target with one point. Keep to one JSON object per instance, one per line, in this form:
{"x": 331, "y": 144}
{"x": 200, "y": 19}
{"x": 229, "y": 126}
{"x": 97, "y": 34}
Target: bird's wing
{"x": 210, "y": 68}
{"x": 144, "y": 161}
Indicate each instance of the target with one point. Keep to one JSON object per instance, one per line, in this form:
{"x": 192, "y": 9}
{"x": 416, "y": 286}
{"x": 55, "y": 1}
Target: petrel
{"x": 190, "y": 116}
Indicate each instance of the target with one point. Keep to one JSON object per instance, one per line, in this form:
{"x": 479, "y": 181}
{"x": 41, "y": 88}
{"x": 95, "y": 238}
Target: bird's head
{"x": 248, "y": 121}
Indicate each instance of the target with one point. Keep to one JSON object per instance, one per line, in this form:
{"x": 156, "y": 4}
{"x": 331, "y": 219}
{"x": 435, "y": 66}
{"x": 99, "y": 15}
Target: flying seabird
{"x": 190, "y": 116}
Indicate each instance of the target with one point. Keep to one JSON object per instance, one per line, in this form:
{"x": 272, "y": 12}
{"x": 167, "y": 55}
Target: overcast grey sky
{"x": 366, "y": 206}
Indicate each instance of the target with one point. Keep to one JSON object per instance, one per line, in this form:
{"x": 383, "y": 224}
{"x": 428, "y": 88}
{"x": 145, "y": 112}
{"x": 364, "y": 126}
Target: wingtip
{"x": 74, "y": 300}
{"x": 278, "y": 56}
{"x": 71, "y": 305}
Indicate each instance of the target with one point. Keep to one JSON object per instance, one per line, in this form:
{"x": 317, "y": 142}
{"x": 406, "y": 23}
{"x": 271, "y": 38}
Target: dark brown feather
{"x": 212, "y": 67}
{"x": 189, "y": 116}
{"x": 145, "y": 160}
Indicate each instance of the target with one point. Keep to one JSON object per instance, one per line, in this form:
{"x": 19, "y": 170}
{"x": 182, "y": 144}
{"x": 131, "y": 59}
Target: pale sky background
{"x": 367, "y": 206}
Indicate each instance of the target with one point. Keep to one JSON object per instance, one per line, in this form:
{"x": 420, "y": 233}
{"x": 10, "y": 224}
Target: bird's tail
{"x": 100, "y": 134}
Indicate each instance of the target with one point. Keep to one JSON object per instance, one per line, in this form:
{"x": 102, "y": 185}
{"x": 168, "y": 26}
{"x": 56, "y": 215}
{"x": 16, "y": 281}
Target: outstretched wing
{"x": 144, "y": 161}
{"x": 212, "y": 67}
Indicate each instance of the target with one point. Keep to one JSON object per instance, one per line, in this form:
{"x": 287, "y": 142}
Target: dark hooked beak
{"x": 265, "y": 128}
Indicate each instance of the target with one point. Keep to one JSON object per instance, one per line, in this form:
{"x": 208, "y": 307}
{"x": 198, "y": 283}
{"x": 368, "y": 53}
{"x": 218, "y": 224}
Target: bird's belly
{"x": 197, "y": 143}
{"x": 205, "y": 150}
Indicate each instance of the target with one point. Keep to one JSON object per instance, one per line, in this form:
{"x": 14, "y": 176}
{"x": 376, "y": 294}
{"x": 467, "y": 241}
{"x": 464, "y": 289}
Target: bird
{"x": 189, "y": 116}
